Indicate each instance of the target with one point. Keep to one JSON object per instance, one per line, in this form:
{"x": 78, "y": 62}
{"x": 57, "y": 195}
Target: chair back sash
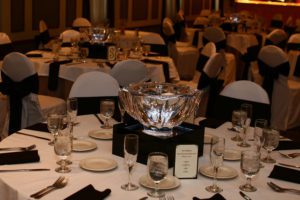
{"x": 5, "y": 49}
{"x": 54, "y": 74}
{"x": 293, "y": 46}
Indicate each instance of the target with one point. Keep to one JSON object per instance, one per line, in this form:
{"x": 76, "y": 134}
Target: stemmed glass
{"x": 250, "y": 167}
{"x": 63, "y": 148}
{"x": 84, "y": 52}
{"x": 259, "y": 138}
{"x": 157, "y": 170}
{"x": 238, "y": 118}
{"x": 53, "y": 123}
{"x": 216, "y": 160}
{"x": 271, "y": 142}
{"x": 107, "y": 109}
{"x": 72, "y": 107}
{"x": 131, "y": 149}
{"x": 247, "y": 108}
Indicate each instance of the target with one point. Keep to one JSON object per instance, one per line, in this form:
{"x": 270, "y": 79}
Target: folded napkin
{"x": 39, "y": 127}
{"x": 286, "y": 174}
{"x": 19, "y": 157}
{"x": 53, "y": 73}
{"x": 90, "y": 193}
{"x": 214, "y": 197}
{"x": 34, "y": 55}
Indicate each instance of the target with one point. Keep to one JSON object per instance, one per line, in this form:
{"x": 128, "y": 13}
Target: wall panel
{"x": 17, "y": 17}
{"x": 70, "y": 12}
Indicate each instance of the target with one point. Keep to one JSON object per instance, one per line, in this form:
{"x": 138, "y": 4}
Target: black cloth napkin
{"x": 19, "y": 157}
{"x": 214, "y": 197}
{"x": 53, "y": 74}
{"x": 212, "y": 123}
{"x": 286, "y": 174}
{"x": 39, "y": 127}
{"x": 286, "y": 145}
{"x": 90, "y": 193}
{"x": 34, "y": 55}
{"x": 165, "y": 67}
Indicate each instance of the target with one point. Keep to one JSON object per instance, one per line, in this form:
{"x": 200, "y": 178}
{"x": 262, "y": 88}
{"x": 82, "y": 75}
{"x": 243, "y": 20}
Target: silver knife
{"x": 244, "y": 196}
{"x": 289, "y": 165}
{"x": 43, "y": 138}
{"x": 24, "y": 170}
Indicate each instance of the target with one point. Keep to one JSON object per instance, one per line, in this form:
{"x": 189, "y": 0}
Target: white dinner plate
{"x": 83, "y": 145}
{"x": 224, "y": 172}
{"x": 170, "y": 182}
{"x": 232, "y": 154}
{"x": 103, "y": 134}
{"x": 209, "y": 137}
{"x": 98, "y": 164}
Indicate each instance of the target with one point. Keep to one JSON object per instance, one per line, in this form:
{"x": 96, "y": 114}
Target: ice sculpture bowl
{"x": 159, "y": 106}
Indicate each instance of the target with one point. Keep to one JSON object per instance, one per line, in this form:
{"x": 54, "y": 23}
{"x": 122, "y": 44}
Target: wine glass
{"x": 131, "y": 149}
{"x": 271, "y": 142}
{"x": 146, "y": 49}
{"x": 259, "y": 138}
{"x": 63, "y": 149}
{"x": 250, "y": 167}
{"x": 53, "y": 123}
{"x": 157, "y": 170}
{"x": 72, "y": 107}
{"x": 107, "y": 108}
{"x": 247, "y": 108}
{"x": 238, "y": 118}
{"x": 84, "y": 52}
{"x": 55, "y": 49}
{"x": 216, "y": 160}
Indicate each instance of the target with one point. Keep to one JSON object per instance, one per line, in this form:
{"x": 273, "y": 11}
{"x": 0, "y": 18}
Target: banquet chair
{"x": 90, "y": 88}
{"x": 42, "y": 40}
{"x": 237, "y": 93}
{"x": 284, "y": 93}
{"x": 129, "y": 71}
{"x": 210, "y": 83}
{"x": 276, "y": 21}
{"x": 6, "y": 46}
{"x": 81, "y": 22}
{"x": 277, "y": 37}
{"x": 215, "y": 35}
{"x": 68, "y": 36}
{"x": 185, "y": 55}
{"x": 20, "y": 84}
{"x": 293, "y": 42}
{"x": 156, "y": 42}
{"x": 206, "y": 52}
{"x": 200, "y": 22}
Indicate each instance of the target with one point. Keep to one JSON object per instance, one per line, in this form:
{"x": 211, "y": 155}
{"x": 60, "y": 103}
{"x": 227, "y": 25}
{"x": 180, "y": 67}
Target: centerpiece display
{"x": 160, "y": 109}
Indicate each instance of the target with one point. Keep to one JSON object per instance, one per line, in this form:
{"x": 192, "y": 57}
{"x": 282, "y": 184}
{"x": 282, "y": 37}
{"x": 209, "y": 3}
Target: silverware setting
{"x": 18, "y": 148}
{"x": 24, "y": 170}
{"x": 59, "y": 183}
{"x": 289, "y": 165}
{"x": 35, "y": 136}
{"x": 290, "y": 155}
{"x": 99, "y": 119}
{"x": 246, "y": 197}
{"x": 278, "y": 188}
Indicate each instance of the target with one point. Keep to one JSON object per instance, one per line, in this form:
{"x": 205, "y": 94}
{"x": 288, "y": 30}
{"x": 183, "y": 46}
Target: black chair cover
{"x": 272, "y": 73}
{"x": 53, "y": 74}
{"x": 5, "y": 49}
{"x": 16, "y": 91}
{"x": 224, "y": 106}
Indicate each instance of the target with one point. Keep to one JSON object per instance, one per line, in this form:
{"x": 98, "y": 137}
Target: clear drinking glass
{"x": 146, "y": 49}
{"x": 107, "y": 109}
{"x": 250, "y": 167}
{"x": 247, "y": 108}
{"x": 216, "y": 160}
{"x": 238, "y": 118}
{"x": 63, "y": 149}
{"x": 157, "y": 170}
{"x": 271, "y": 142}
{"x": 259, "y": 138}
{"x": 131, "y": 149}
{"x": 72, "y": 107}
{"x": 53, "y": 123}
{"x": 84, "y": 52}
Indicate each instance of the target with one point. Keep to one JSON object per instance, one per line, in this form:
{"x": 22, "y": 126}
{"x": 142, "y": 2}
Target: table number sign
{"x": 111, "y": 53}
{"x": 186, "y": 161}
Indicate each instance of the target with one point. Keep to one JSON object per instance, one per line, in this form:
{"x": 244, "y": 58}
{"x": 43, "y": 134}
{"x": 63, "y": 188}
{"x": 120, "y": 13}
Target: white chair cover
{"x": 35, "y": 107}
{"x": 94, "y": 84}
{"x": 201, "y": 21}
{"x": 294, "y": 38}
{"x": 151, "y": 38}
{"x": 209, "y": 49}
{"x": 81, "y": 22}
{"x": 277, "y": 36}
{"x": 214, "y": 65}
{"x": 69, "y": 35}
{"x": 285, "y": 107}
{"x": 205, "y": 13}
{"x": 246, "y": 90}
{"x": 4, "y": 38}
{"x": 129, "y": 71}
{"x": 214, "y": 34}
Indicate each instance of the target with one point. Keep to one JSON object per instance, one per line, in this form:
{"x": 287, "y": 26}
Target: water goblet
{"x": 259, "y": 138}
{"x": 53, "y": 123}
{"x": 271, "y": 142}
{"x": 238, "y": 118}
{"x": 131, "y": 144}
{"x": 247, "y": 108}
{"x": 84, "y": 52}
{"x": 250, "y": 167}
{"x": 72, "y": 107}
{"x": 107, "y": 108}
{"x": 63, "y": 149}
{"x": 216, "y": 160}
{"x": 157, "y": 170}
{"x": 146, "y": 49}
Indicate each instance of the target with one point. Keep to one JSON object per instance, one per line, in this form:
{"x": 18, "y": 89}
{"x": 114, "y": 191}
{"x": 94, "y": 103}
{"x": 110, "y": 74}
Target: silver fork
{"x": 59, "y": 183}
{"x": 278, "y": 188}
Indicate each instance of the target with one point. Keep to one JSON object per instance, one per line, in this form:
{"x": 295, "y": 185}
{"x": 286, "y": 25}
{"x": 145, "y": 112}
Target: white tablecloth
{"x": 19, "y": 185}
